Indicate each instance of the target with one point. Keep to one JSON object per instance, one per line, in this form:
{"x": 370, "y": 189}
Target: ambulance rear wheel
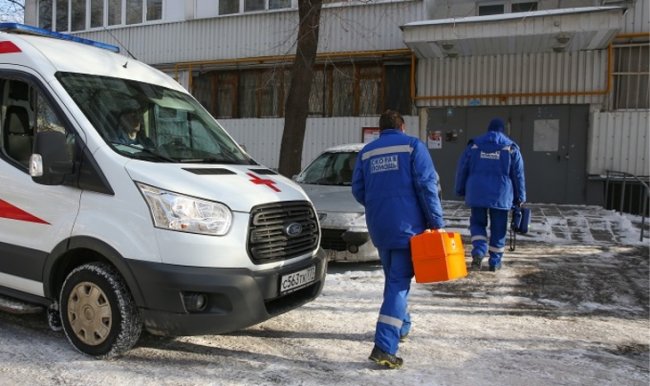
{"x": 98, "y": 314}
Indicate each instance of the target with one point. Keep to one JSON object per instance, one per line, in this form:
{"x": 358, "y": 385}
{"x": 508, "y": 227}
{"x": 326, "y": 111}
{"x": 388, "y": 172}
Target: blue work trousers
{"x": 478, "y": 223}
{"x": 394, "y": 320}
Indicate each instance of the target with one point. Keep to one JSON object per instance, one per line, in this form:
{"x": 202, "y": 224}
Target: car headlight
{"x": 186, "y": 214}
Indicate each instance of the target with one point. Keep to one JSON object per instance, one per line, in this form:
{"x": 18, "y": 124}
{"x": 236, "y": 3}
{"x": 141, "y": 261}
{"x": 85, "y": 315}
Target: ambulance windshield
{"x": 146, "y": 121}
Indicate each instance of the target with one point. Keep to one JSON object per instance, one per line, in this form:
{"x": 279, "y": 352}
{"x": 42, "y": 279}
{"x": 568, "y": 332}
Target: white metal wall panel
{"x": 263, "y": 137}
{"x": 466, "y": 80}
{"x": 364, "y": 27}
{"x": 620, "y": 142}
{"x": 637, "y": 18}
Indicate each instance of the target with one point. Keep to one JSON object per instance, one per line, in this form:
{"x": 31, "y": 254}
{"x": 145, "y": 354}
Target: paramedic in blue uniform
{"x": 394, "y": 178}
{"x": 490, "y": 176}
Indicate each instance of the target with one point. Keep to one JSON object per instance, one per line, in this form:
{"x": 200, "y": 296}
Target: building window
{"x": 253, "y": 5}
{"x": 133, "y": 12}
{"x": 78, "y": 15}
{"x": 279, "y": 4}
{"x": 114, "y": 12}
{"x": 154, "y": 10}
{"x": 340, "y": 89}
{"x": 524, "y": 7}
{"x": 397, "y": 88}
{"x": 369, "y": 100}
{"x": 72, "y": 15}
{"x": 226, "y": 95}
{"x": 61, "y": 15}
{"x": 96, "y": 13}
{"x": 227, "y": 7}
{"x": 319, "y": 96}
{"x": 506, "y": 7}
{"x": 491, "y": 9}
{"x": 270, "y": 93}
{"x": 45, "y": 14}
{"x": 632, "y": 76}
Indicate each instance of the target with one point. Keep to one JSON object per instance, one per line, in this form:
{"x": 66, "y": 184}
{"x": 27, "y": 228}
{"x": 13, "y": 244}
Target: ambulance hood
{"x": 240, "y": 187}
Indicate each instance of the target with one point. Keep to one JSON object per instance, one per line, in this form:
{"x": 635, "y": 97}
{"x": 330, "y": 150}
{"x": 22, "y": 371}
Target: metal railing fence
{"x": 627, "y": 198}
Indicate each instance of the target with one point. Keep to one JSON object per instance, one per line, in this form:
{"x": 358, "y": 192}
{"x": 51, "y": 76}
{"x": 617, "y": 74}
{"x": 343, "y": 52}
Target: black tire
{"x": 98, "y": 314}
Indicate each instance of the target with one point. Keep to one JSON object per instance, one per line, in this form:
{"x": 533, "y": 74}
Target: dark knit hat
{"x": 496, "y": 125}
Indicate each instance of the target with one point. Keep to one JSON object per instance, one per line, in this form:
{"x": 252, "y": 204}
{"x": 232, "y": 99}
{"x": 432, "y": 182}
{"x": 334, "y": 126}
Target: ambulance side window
{"x": 24, "y": 112}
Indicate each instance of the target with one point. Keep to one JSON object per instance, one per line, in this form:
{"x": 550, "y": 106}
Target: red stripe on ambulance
{"x": 7, "y": 47}
{"x": 14, "y": 213}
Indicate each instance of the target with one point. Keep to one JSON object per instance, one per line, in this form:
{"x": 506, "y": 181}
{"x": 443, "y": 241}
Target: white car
{"x": 327, "y": 181}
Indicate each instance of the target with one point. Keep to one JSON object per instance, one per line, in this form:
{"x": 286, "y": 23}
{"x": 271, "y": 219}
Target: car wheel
{"x": 98, "y": 314}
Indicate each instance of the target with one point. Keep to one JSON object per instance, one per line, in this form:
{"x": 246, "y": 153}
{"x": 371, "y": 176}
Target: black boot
{"x": 385, "y": 359}
{"x": 476, "y": 263}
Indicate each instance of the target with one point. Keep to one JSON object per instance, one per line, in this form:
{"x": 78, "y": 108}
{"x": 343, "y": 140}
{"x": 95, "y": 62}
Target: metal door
{"x": 552, "y": 138}
{"x": 553, "y": 143}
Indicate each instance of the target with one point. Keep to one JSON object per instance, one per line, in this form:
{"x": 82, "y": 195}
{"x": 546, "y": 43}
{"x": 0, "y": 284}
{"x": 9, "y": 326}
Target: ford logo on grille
{"x": 294, "y": 229}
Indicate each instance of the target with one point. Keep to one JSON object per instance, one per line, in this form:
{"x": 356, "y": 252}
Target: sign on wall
{"x": 369, "y": 134}
{"x": 546, "y": 135}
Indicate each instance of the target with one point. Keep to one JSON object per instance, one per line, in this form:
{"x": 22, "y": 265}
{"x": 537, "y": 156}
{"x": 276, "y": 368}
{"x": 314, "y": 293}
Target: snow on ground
{"x": 570, "y": 307}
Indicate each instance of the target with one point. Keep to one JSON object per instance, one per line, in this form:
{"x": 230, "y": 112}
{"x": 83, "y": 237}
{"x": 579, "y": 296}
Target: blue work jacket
{"x": 490, "y": 173}
{"x": 395, "y": 180}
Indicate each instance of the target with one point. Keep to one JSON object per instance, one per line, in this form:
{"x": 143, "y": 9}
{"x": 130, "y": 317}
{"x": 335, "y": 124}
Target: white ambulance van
{"x": 124, "y": 205}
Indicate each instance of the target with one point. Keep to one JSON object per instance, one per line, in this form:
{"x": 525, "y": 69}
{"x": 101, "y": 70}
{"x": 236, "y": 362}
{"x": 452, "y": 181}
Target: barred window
{"x": 370, "y": 98}
{"x": 226, "y": 95}
{"x": 631, "y": 76}
{"x": 247, "y": 90}
{"x": 318, "y": 103}
{"x": 342, "y": 91}
{"x": 337, "y": 90}
{"x": 270, "y": 93}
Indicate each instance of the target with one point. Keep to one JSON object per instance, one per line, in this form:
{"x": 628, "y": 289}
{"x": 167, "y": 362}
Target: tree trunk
{"x": 297, "y": 105}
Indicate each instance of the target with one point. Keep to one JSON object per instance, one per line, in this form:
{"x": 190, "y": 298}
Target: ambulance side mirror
{"x": 51, "y": 161}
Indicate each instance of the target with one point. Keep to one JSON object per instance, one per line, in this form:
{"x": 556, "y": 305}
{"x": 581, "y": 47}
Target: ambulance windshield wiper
{"x": 147, "y": 151}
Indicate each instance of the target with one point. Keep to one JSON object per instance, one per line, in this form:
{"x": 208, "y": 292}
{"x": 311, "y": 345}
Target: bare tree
{"x": 297, "y": 104}
{"x": 12, "y": 10}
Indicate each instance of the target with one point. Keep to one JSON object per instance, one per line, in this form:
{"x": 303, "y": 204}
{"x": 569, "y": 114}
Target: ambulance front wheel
{"x": 98, "y": 314}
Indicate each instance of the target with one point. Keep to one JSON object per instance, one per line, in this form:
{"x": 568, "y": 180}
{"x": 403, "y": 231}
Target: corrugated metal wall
{"x": 637, "y": 18}
{"x": 540, "y": 73}
{"x": 620, "y": 142}
{"x": 262, "y": 137}
{"x": 364, "y": 27}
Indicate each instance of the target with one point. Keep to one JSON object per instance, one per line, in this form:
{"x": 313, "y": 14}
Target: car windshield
{"x": 150, "y": 122}
{"x": 330, "y": 169}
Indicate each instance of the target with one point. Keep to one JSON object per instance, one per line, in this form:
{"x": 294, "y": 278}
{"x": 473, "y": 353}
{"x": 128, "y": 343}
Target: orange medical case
{"x": 438, "y": 256}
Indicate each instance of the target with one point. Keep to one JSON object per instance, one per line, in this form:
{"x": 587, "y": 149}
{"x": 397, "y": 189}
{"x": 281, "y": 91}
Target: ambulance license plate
{"x": 293, "y": 281}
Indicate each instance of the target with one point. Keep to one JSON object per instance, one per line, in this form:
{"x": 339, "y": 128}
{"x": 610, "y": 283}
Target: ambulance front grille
{"x": 270, "y": 228}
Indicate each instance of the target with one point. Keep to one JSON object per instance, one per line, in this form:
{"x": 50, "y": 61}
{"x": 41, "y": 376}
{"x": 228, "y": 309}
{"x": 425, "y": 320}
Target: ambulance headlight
{"x": 186, "y": 214}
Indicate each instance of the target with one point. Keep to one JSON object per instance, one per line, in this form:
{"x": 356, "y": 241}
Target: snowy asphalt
{"x": 570, "y": 307}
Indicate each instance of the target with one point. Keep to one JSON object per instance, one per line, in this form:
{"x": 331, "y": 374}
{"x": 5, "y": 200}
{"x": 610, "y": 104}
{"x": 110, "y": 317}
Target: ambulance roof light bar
{"x": 31, "y": 30}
